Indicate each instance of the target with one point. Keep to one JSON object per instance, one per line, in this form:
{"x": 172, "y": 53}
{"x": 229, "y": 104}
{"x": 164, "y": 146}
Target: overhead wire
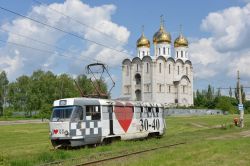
{"x": 62, "y": 30}
{"x": 83, "y": 24}
{"x": 41, "y": 50}
{"x": 32, "y": 39}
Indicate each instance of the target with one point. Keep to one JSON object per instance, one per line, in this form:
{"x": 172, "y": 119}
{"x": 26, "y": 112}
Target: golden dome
{"x": 143, "y": 41}
{"x": 180, "y": 41}
{"x": 162, "y": 36}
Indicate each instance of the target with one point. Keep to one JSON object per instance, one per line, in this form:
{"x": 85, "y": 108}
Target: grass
{"x": 6, "y": 118}
{"x": 28, "y": 144}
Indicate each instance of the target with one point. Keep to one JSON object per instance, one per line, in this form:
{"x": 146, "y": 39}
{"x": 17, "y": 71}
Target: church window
{"x": 159, "y": 67}
{"x": 139, "y": 53}
{"x": 143, "y": 53}
{"x": 182, "y": 54}
{"x": 147, "y": 68}
{"x": 169, "y": 68}
{"x": 178, "y": 70}
{"x": 147, "y": 87}
{"x": 127, "y": 89}
{"x": 127, "y": 71}
{"x": 138, "y": 79}
{"x": 177, "y": 54}
{"x": 186, "y": 70}
{"x": 160, "y": 88}
{"x": 183, "y": 89}
{"x": 168, "y": 51}
{"x": 159, "y": 51}
{"x": 164, "y": 51}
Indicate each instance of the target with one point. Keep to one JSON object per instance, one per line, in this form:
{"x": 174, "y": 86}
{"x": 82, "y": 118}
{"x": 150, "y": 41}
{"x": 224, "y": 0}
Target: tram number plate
{"x": 145, "y": 124}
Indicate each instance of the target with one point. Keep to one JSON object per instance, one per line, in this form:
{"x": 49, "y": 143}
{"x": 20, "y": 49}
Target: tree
{"x": 36, "y": 93}
{"x": 209, "y": 93}
{"x": 218, "y": 94}
{"x": 236, "y": 93}
{"x": 224, "y": 103}
{"x": 3, "y": 87}
{"x": 230, "y": 92}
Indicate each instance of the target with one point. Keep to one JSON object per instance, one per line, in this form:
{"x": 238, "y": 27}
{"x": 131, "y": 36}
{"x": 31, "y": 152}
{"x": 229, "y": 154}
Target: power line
{"x": 44, "y": 43}
{"x": 38, "y": 41}
{"x": 83, "y": 24}
{"x": 232, "y": 87}
{"x": 52, "y": 52}
{"x": 38, "y": 49}
{"x": 61, "y": 30}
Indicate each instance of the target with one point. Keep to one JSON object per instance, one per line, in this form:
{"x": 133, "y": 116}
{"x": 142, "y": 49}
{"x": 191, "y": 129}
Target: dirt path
{"x": 4, "y": 123}
{"x": 232, "y": 135}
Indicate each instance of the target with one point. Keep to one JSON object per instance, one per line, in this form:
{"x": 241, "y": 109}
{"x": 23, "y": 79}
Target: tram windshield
{"x": 72, "y": 113}
{"x": 62, "y": 113}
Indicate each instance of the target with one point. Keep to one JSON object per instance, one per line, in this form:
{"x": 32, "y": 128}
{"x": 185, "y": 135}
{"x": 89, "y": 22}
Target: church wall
{"x": 158, "y": 82}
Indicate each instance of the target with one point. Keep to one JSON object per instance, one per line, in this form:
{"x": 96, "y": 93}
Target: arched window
{"x": 178, "y": 70}
{"x": 138, "y": 94}
{"x": 160, "y": 88}
{"x": 147, "y": 68}
{"x": 159, "y": 67}
{"x": 138, "y": 79}
{"x": 182, "y": 54}
{"x": 168, "y": 51}
{"x": 169, "y": 68}
{"x": 177, "y": 54}
{"x": 183, "y": 89}
{"x": 159, "y": 51}
{"x": 143, "y": 53}
{"x": 164, "y": 51}
{"x": 127, "y": 71}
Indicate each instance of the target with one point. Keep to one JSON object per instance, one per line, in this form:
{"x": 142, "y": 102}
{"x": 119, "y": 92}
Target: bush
{"x": 45, "y": 111}
{"x": 8, "y": 112}
{"x": 224, "y": 103}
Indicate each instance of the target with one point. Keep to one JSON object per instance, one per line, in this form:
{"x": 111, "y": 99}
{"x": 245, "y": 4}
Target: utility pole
{"x": 240, "y": 101}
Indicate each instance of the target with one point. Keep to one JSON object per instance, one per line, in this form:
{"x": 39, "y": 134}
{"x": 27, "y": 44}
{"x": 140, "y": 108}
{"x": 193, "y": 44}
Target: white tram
{"x": 83, "y": 121}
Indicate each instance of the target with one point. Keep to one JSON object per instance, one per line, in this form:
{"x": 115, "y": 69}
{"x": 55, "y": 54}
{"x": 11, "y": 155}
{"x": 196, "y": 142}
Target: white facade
{"x": 159, "y": 78}
{"x": 143, "y": 51}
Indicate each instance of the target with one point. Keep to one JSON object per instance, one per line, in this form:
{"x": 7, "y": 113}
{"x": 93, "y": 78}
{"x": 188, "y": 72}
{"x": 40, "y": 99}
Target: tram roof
{"x": 98, "y": 101}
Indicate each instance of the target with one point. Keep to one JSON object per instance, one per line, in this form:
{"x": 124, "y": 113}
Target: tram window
{"x": 149, "y": 109}
{"x": 94, "y": 112}
{"x": 77, "y": 114}
{"x": 137, "y": 112}
{"x": 157, "y": 109}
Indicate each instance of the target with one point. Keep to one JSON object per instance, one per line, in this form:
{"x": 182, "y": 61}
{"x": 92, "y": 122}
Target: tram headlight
{"x": 66, "y": 132}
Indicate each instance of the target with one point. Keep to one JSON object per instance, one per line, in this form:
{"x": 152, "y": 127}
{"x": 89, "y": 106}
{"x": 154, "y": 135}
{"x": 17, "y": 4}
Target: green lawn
{"x": 28, "y": 144}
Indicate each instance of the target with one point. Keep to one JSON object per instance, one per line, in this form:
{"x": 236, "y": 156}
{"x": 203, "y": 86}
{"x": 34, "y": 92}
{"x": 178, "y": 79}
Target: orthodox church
{"x": 162, "y": 77}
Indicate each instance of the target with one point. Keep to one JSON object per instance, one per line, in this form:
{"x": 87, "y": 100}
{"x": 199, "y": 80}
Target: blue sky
{"x": 212, "y": 27}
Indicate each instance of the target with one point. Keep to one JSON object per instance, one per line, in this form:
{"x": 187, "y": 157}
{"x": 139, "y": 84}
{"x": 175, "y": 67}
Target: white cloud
{"x": 24, "y": 61}
{"x": 227, "y": 48}
{"x": 230, "y": 28}
{"x": 241, "y": 63}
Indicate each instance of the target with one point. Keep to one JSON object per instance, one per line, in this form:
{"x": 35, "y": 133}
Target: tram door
{"x": 111, "y": 127}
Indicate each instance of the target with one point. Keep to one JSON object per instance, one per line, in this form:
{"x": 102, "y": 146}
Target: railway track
{"x": 61, "y": 162}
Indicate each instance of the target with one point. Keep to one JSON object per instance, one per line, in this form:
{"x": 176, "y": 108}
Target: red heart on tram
{"x": 124, "y": 114}
{"x": 55, "y": 131}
